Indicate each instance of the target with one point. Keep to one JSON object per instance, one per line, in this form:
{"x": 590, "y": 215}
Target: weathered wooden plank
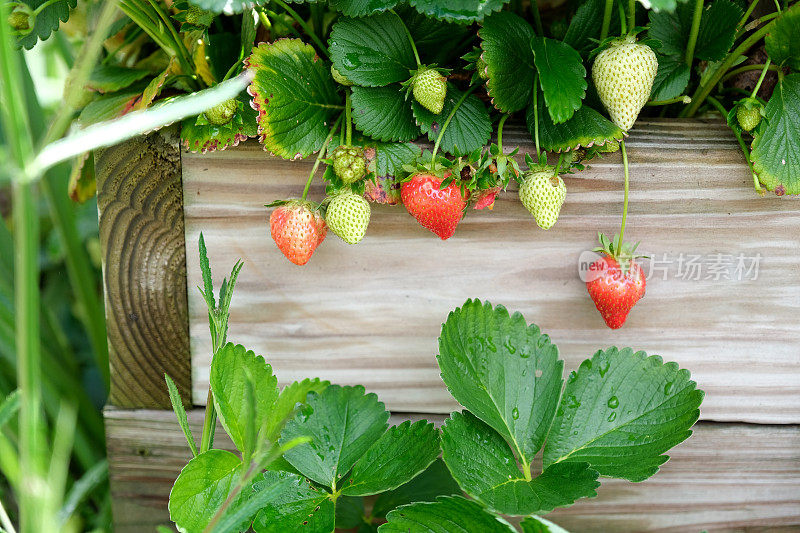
{"x": 726, "y": 477}
{"x": 371, "y": 313}
{"x": 139, "y": 196}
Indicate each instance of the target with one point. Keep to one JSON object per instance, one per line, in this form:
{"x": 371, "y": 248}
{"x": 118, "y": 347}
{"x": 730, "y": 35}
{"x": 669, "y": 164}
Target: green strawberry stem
{"x": 747, "y": 68}
{"x": 694, "y": 31}
{"x": 761, "y": 78}
{"x": 756, "y": 184}
{"x": 558, "y": 168}
{"x": 447, "y": 122}
{"x": 410, "y": 38}
{"x": 746, "y": 15}
{"x": 537, "y": 17}
{"x": 43, "y": 6}
{"x": 500, "y": 133}
{"x": 622, "y": 21}
{"x": 536, "y": 113}
{"x": 322, "y": 153}
{"x": 607, "y": 19}
{"x": 348, "y": 110}
{"x": 632, "y": 15}
{"x": 625, "y": 197}
{"x": 310, "y": 32}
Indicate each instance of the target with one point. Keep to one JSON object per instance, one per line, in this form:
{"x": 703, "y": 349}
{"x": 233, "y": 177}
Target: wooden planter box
{"x": 371, "y": 313}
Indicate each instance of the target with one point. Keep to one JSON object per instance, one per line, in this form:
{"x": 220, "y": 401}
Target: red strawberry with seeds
{"x": 297, "y": 227}
{"x": 615, "y": 282}
{"x": 436, "y": 209}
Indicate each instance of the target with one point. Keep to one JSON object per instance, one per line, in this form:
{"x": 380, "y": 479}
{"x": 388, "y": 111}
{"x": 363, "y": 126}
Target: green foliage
{"x": 505, "y": 39}
{"x": 776, "y": 145}
{"x": 470, "y": 127}
{"x": 296, "y": 504}
{"x": 587, "y": 127}
{"x": 672, "y": 78}
{"x": 717, "y": 29}
{"x": 561, "y": 76}
{"x": 294, "y": 95}
{"x": 47, "y": 20}
{"x": 783, "y": 42}
{"x": 384, "y": 114}
{"x": 461, "y": 11}
{"x": 537, "y": 524}
{"x": 446, "y": 514}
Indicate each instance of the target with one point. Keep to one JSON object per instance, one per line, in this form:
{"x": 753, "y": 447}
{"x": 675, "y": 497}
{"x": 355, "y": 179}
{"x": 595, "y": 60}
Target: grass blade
{"x": 9, "y": 407}
{"x": 177, "y": 406}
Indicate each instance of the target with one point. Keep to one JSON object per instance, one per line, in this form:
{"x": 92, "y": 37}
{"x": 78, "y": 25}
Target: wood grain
{"x": 139, "y": 198}
{"x": 726, "y": 477}
{"x": 371, "y": 313}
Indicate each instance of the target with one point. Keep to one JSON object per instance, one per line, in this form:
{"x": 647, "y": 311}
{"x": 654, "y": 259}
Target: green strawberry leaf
{"x": 227, "y": 6}
{"x": 231, "y": 368}
{"x": 396, "y": 457}
{"x": 384, "y": 113}
{"x": 460, "y": 11}
{"x": 505, "y": 39}
{"x": 620, "y": 412}
{"x": 562, "y": 77}
{"x": 342, "y": 422}
{"x": 485, "y": 467}
{"x": 447, "y": 514}
{"x": 297, "y": 506}
{"x": 586, "y": 128}
{"x": 470, "y": 127}
{"x": 436, "y": 41}
{"x": 294, "y": 95}
{"x": 776, "y": 145}
{"x": 288, "y": 400}
{"x": 584, "y": 30}
{"x": 349, "y": 512}
{"x": 672, "y": 78}
{"x": 372, "y": 51}
{"x": 434, "y": 481}
{"x": 109, "y": 79}
{"x": 391, "y": 157}
{"x": 783, "y": 40}
{"x": 537, "y": 524}
{"x": 109, "y": 106}
{"x": 198, "y": 135}
{"x": 47, "y": 21}
{"x": 202, "y": 487}
{"x": 362, "y": 8}
{"x": 717, "y": 29}
{"x": 505, "y": 372}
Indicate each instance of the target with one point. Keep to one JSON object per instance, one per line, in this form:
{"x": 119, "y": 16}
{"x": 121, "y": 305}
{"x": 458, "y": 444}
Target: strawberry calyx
{"x": 298, "y": 202}
{"x": 622, "y": 252}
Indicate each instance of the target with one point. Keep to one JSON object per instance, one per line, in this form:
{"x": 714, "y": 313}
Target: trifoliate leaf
{"x": 672, "y": 78}
{"x": 505, "y": 39}
{"x": 202, "y": 487}
{"x": 342, "y": 422}
{"x": 433, "y": 482}
{"x": 562, "y": 77}
{"x": 776, "y": 145}
{"x": 231, "y": 368}
{"x": 361, "y": 8}
{"x": 783, "y": 40}
{"x": 470, "y": 127}
{"x": 47, "y": 21}
{"x": 396, "y": 457}
{"x": 587, "y": 127}
{"x": 448, "y": 514}
{"x": 537, "y": 524}
{"x": 505, "y": 372}
{"x": 372, "y": 51}
{"x": 620, "y": 412}
{"x": 485, "y": 467}
{"x": 384, "y": 113}
{"x": 296, "y": 506}
{"x": 461, "y": 11}
{"x": 295, "y": 97}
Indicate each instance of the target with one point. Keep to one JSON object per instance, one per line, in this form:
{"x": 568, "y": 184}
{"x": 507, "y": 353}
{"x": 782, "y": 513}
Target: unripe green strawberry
{"x": 221, "y": 113}
{"x": 339, "y": 78}
{"x": 748, "y": 118}
{"x": 349, "y": 163}
{"x": 430, "y": 89}
{"x": 543, "y": 195}
{"x": 198, "y": 17}
{"x": 348, "y": 216}
{"x": 623, "y": 74}
{"x": 482, "y": 68}
{"x": 21, "y": 19}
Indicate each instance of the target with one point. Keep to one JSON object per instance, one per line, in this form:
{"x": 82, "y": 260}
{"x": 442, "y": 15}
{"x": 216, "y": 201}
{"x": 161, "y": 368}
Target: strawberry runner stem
{"x": 447, "y": 122}
{"x": 761, "y": 78}
{"x": 348, "y": 118}
{"x": 693, "y": 32}
{"x": 322, "y": 152}
{"x": 536, "y": 113}
{"x": 625, "y": 197}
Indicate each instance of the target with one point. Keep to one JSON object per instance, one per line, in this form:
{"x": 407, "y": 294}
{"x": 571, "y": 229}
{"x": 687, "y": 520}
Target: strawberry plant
{"x": 315, "y": 457}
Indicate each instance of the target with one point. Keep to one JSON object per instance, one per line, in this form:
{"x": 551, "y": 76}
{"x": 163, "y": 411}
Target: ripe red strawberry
{"x": 297, "y": 228}
{"x": 615, "y": 288}
{"x": 438, "y": 210}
